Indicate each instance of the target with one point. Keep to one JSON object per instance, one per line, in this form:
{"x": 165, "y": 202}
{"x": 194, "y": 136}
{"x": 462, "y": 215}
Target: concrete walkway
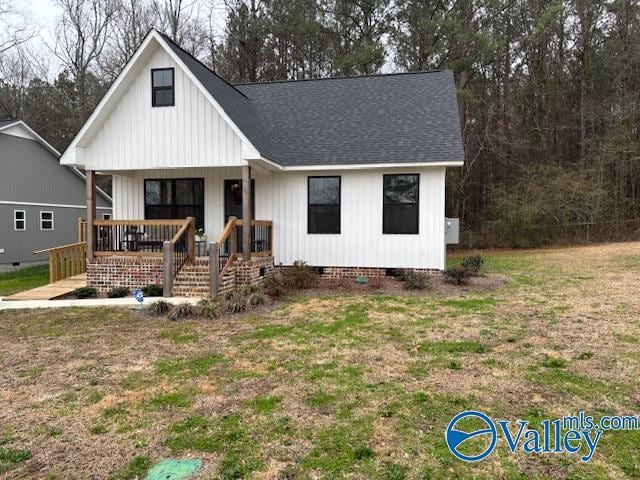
{"x": 51, "y": 290}
{"x": 129, "y": 302}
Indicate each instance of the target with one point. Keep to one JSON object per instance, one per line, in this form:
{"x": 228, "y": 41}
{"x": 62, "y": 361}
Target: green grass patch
{"x": 10, "y": 457}
{"x": 629, "y": 261}
{"x": 228, "y": 436}
{"x": 265, "y": 332}
{"x": 339, "y": 450}
{"x": 179, "y": 338}
{"x": 264, "y": 404}
{"x": 188, "y": 367}
{"x": 181, "y": 398}
{"x": 554, "y": 362}
{"x": 136, "y": 469}
{"x": 461, "y": 346}
{"x": 23, "y": 279}
{"x": 471, "y": 305}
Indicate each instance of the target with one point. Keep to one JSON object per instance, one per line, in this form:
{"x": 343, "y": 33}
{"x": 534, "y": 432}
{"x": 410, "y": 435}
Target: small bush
{"x": 85, "y": 292}
{"x": 274, "y": 285}
{"x": 118, "y": 292}
{"x": 473, "y": 264}
{"x": 375, "y": 283}
{"x": 255, "y": 294}
{"x": 210, "y": 308}
{"x": 402, "y": 274}
{"x": 237, "y": 300}
{"x": 152, "y": 290}
{"x": 415, "y": 280}
{"x": 300, "y": 276}
{"x": 159, "y": 307}
{"x": 457, "y": 275}
{"x": 181, "y": 311}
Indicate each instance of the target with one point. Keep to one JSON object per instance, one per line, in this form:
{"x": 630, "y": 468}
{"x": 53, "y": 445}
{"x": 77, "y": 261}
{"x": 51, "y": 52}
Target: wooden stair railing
{"x": 224, "y": 252}
{"x": 178, "y": 251}
{"x": 66, "y": 260}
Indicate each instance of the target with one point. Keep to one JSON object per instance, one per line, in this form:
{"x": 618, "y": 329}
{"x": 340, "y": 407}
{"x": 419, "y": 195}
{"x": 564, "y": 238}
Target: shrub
{"x": 300, "y": 276}
{"x": 415, "y": 280}
{"x": 85, "y": 292}
{"x": 181, "y": 311}
{"x": 152, "y": 290}
{"x": 237, "y": 300}
{"x": 254, "y": 294}
{"x": 473, "y": 264}
{"x": 274, "y": 285}
{"x": 457, "y": 275}
{"x": 402, "y": 274}
{"x": 118, "y": 292}
{"x": 159, "y": 307}
{"x": 210, "y": 308}
{"x": 375, "y": 283}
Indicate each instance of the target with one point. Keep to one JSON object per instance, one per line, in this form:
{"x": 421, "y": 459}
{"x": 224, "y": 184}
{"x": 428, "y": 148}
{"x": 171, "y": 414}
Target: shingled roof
{"x": 375, "y": 119}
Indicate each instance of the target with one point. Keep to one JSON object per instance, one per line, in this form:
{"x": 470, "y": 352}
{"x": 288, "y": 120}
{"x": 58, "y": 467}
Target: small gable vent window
{"x": 162, "y": 87}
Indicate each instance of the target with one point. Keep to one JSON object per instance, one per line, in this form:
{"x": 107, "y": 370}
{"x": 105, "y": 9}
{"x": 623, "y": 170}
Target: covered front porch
{"x": 172, "y": 252}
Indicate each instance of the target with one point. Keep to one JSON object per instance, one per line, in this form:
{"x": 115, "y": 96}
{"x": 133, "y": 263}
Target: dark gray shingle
{"x": 397, "y": 118}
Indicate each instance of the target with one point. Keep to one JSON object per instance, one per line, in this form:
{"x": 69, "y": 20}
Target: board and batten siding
{"x": 282, "y": 198}
{"x": 138, "y": 136}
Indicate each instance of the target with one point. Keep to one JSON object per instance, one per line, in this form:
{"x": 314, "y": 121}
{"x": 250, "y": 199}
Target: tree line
{"x": 548, "y": 90}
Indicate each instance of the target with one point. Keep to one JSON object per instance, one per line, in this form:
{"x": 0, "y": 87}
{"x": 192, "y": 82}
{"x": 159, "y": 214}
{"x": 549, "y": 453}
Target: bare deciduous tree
{"x": 81, "y": 36}
{"x": 14, "y": 28}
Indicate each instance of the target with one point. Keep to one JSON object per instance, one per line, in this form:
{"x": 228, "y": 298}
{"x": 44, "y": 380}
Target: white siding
{"x": 137, "y": 136}
{"x": 128, "y": 193}
{"x": 282, "y": 197}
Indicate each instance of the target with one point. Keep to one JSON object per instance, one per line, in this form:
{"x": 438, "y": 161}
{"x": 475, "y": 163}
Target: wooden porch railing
{"x": 224, "y": 252}
{"x": 66, "y": 261}
{"x": 134, "y": 237}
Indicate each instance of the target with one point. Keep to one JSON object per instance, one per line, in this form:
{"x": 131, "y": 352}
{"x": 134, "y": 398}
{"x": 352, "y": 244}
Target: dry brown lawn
{"x": 346, "y": 385}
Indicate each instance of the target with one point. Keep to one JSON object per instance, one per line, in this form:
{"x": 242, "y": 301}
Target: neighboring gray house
{"x": 40, "y": 200}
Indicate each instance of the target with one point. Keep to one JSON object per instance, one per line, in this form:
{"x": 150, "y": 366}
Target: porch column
{"x": 246, "y": 213}
{"x": 91, "y": 211}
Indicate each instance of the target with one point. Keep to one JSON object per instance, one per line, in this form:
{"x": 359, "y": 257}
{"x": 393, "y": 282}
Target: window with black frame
{"x": 323, "y": 205}
{"x": 177, "y": 198}
{"x": 400, "y": 204}
{"x": 162, "y": 87}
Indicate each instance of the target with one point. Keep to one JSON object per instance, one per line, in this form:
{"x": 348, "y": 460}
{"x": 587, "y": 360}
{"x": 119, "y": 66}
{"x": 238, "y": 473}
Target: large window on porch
{"x": 175, "y": 198}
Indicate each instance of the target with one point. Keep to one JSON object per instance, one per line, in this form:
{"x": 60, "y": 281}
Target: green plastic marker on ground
{"x": 171, "y": 469}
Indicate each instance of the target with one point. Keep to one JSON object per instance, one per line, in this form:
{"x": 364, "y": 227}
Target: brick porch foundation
{"x": 105, "y": 273}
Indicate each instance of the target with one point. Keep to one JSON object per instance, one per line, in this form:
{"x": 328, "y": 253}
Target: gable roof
{"x": 26, "y": 131}
{"x": 7, "y": 121}
{"x": 30, "y": 134}
{"x": 374, "y": 119}
{"x": 392, "y": 119}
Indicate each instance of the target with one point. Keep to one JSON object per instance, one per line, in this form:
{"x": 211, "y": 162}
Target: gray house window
{"x": 106, "y": 216}
{"x": 162, "y": 88}
{"x": 400, "y": 204}
{"x": 19, "y": 220}
{"x": 46, "y": 220}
